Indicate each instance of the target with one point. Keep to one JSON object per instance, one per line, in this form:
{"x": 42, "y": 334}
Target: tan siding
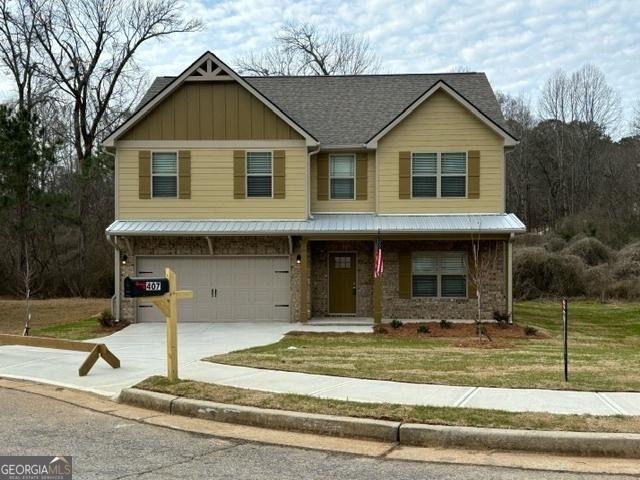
{"x": 211, "y": 111}
{"x": 211, "y": 190}
{"x": 442, "y": 124}
{"x": 368, "y": 205}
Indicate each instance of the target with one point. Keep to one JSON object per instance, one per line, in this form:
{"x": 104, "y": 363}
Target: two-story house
{"x": 266, "y": 196}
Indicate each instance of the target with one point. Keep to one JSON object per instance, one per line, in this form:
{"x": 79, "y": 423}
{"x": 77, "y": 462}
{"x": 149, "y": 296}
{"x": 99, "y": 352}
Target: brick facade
{"x": 393, "y": 307}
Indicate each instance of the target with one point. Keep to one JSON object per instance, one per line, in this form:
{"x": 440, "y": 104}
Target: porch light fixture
{"x": 124, "y": 259}
{"x": 298, "y": 259}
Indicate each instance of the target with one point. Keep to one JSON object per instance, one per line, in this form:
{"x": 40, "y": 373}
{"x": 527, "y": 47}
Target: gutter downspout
{"x": 313, "y": 152}
{"x": 115, "y": 300}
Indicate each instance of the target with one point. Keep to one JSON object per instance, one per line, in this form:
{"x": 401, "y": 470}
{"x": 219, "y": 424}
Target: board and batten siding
{"x": 368, "y": 205}
{"x": 211, "y": 111}
{"x": 441, "y": 124}
{"x": 212, "y": 195}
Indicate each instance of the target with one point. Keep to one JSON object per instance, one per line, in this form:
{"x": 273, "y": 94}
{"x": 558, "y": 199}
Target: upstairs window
{"x": 436, "y": 175}
{"x": 342, "y": 177}
{"x": 259, "y": 174}
{"x": 439, "y": 274}
{"x": 164, "y": 174}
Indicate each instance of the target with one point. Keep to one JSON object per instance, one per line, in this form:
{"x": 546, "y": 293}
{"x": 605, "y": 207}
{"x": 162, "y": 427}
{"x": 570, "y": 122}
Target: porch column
{"x": 304, "y": 308}
{"x": 510, "y": 278}
{"x": 377, "y": 293}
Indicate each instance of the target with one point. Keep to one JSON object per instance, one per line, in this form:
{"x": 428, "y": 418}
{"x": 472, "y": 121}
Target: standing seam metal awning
{"x": 326, "y": 224}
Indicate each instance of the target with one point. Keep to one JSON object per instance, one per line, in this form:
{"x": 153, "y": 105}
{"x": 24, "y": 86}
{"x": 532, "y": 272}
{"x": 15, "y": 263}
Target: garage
{"x": 225, "y": 289}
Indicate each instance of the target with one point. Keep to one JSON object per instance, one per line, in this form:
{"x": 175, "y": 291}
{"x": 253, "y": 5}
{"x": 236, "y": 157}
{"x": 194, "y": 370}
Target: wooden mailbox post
{"x": 165, "y": 297}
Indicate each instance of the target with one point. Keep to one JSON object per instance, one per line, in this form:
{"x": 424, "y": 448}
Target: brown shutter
{"x": 184, "y": 174}
{"x": 471, "y": 265}
{"x": 323, "y": 176}
{"x": 404, "y": 275}
{"x": 144, "y": 174}
{"x": 239, "y": 181}
{"x": 404, "y": 169}
{"x": 474, "y": 174}
{"x": 361, "y": 175}
{"x": 278, "y": 174}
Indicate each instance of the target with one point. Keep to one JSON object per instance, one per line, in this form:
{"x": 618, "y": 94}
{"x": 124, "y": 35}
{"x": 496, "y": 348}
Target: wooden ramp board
{"x": 96, "y": 350}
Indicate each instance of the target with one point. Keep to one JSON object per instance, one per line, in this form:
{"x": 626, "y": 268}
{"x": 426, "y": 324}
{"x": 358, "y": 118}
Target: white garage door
{"x": 225, "y": 289}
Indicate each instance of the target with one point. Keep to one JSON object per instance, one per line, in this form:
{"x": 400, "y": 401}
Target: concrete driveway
{"x": 141, "y": 349}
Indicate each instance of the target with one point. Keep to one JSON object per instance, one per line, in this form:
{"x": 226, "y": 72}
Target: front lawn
{"x": 69, "y": 318}
{"x": 604, "y": 352}
{"x": 403, "y": 413}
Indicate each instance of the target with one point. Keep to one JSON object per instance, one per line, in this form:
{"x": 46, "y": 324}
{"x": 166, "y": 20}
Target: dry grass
{"x": 404, "y": 413}
{"x": 47, "y": 313}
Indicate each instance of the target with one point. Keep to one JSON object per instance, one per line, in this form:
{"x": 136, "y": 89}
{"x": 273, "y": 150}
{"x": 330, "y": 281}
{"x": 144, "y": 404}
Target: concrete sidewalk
{"x": 141, "y": 349}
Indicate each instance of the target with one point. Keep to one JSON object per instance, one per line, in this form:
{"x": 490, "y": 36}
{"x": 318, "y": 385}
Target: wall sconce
{"x": 124, "y": 259}
{"x": 298, "y": 259}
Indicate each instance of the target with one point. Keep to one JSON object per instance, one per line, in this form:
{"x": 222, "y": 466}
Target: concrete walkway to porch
{"x": 141, "y": 349}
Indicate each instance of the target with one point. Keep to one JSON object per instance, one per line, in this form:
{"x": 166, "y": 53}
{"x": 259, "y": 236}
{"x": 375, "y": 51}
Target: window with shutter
{"x": 453, "y": 175}
{"x": 424, "y": 175}
{"x": 259, "y": 174}
{"x": 164, "y": 174}
{"x": 342, "y": 177}
{"x": 439, "y": 274}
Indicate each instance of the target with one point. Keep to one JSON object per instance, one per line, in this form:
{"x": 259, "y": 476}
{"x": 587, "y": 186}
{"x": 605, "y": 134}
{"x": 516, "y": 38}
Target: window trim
{"x": 439, "y": 173}
{"x": 439, "y": 255}
{"x": 247, "y": 175}
{"x": 352, "y": 178}
{"x": 177, "y": 174}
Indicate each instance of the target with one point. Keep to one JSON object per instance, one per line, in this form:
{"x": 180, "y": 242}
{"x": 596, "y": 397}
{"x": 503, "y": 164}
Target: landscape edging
{"x": 625, "y": 445}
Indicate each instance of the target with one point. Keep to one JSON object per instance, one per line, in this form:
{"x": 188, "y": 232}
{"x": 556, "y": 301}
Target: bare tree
{"x": 635, "y": 121}
{"x": 484, "y": 260}
{"x": 303, "y": 49}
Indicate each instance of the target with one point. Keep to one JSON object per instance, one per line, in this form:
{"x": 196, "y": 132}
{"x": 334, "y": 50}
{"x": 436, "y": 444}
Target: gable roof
{"x": 206, "y": 67}
{"x": 351, "y": 110}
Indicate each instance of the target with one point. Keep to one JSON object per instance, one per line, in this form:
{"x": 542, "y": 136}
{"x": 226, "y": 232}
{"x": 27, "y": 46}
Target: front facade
{"x": 268, "y": 196}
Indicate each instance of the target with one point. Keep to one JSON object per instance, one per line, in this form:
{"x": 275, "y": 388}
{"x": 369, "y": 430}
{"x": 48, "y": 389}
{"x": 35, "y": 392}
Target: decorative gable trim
{"x": 509, "y": 140}
{"x": 206, "y": 68}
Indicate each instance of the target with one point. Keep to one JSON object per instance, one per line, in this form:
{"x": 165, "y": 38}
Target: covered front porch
{"x": 425, "y": 277}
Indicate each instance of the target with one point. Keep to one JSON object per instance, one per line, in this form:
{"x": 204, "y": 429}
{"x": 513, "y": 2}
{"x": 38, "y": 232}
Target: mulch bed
{"x": 459, "y": 330}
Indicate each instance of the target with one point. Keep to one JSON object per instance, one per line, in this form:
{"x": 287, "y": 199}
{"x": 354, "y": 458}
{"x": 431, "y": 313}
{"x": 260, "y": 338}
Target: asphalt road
{"x": 108, "y": 447}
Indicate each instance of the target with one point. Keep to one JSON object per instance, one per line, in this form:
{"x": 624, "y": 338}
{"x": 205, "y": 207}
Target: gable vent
{"x": 209, "y": 72}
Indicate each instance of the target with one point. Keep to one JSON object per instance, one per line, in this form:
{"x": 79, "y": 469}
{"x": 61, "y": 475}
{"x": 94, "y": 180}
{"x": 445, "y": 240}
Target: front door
{"x": 342, "y": 283}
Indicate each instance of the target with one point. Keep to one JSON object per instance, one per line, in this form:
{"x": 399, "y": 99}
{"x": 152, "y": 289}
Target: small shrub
{"x": 395, "y": 324}
{"x": 554, "y": 243}
{"x": 597, "y": 280}
{"x": 501, "y": 317}
{"x": 106, "y": 318}
{"x": 530, "y": 331}
{"x": 631, "y": 252}
{"x": 423, "y": 328}
{"x": 380, "y": 329}
{"x": 626, "y": 267}
{"x": 445, "y": 323}
{"x": 628, "y": 289}
{"x": 481, "y": 329}
{"x": 591, "y": 250}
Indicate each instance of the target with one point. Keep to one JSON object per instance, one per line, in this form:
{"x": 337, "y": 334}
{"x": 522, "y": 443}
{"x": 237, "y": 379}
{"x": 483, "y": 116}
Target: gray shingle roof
{"x": 349, "y": 110}
{"x": 327, "y": 224}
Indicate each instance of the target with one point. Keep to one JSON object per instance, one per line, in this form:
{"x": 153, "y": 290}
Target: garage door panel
{"x": 248, "y": 288}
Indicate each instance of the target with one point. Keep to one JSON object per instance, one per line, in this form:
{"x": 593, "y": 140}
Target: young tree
{"x": 303, "y": 49}
{"x": 482, "y": 264}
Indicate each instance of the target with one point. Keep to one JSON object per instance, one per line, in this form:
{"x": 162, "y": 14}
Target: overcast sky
{"x": 518, "y": 44}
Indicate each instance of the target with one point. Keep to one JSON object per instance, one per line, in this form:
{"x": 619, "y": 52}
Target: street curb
{"x": 620, "y": 445}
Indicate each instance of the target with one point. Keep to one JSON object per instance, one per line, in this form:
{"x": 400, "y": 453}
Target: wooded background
{"x": 575, "y": 174}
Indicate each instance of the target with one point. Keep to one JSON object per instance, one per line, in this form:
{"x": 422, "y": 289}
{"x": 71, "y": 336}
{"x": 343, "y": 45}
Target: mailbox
{"x": 145, "y": 287}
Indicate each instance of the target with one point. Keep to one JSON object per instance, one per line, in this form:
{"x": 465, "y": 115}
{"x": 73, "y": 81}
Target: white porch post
{"x": 510, "y": 278}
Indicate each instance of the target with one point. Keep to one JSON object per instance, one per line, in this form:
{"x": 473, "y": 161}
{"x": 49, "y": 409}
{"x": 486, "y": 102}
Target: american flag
{"x": 378, "y": 265}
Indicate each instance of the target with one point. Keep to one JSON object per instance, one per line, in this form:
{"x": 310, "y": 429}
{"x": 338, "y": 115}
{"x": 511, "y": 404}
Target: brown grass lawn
{"x": 405, "y": 413}
{"x": 50, "y": 316}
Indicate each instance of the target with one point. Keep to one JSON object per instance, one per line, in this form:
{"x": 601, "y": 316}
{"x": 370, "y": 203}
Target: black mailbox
{"x": 145, "y": 286}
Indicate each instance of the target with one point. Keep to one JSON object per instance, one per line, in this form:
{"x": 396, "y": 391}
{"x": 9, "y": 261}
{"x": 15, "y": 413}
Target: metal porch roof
{"x": 325, "y": 224}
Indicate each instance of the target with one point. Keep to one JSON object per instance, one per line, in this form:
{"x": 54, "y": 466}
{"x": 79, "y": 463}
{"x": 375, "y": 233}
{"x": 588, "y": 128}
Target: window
{"x": 164, "y": 174}
{"x": 342, "y": 177}
{"x": 259, "y": 182}
{"x": 441, "y": 274}
{"x": 439, "y": 175}
{"x": 424, "y": 175}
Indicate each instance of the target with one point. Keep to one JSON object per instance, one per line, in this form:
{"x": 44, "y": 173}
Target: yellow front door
{"x": 342, "y": 283}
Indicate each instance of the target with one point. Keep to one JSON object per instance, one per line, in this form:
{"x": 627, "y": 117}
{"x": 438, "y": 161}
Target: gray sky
{"x": 518, "y": 44}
